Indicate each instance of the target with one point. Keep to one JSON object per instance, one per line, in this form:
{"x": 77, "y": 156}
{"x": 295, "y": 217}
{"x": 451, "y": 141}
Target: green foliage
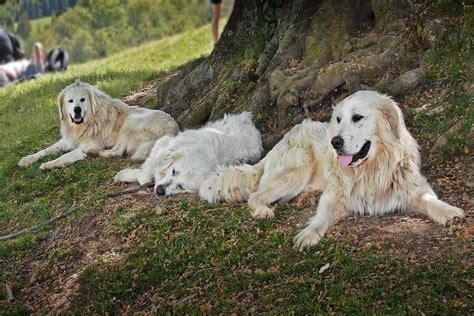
{"x": 99, "y": 28}
{"x": 458, "y": 109}
{"x": 24, "y": 25}
{"x": 272, "y": 11}
{"x": 450, "y": 61}
{"x": 451, "y": 57}
{"x": 8, "y": 13}
{"x": 450, "y": 8}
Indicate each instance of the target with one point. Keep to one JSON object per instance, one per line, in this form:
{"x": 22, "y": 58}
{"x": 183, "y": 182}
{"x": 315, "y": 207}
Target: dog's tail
{"x": 232, "y": 183}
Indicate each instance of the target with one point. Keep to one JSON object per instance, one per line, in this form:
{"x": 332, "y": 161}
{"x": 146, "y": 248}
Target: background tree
{"x": 8, "y": 14}
{"x": 24, "y": 25}
{"x": 281, "y": 59}
{"x": 105, "y": 26}
{"x": 111, "y": 26}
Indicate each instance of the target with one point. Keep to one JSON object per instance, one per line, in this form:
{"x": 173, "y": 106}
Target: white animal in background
{"x": 94, "y": 123}
{"x": 179, "y": 164}
{"x": 364, "y": 161}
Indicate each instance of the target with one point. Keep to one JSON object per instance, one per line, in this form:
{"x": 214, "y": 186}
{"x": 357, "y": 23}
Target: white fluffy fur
{"x": 387, "y": 179}
{"x": 109, "y": 127}
{"x": 179, "y": 164}
{"x": 290, "y": 168}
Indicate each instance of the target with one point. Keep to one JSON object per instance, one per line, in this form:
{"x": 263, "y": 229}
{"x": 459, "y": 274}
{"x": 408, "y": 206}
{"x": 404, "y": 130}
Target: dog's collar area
{"x": 362, "y": 153}
{"x": 76, "y": 119}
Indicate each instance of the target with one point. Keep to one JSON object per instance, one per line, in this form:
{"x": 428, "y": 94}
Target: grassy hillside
{"x": 143, "y": 253}
{"x": 41, "y": 23}
{"x": 38, "y": 24}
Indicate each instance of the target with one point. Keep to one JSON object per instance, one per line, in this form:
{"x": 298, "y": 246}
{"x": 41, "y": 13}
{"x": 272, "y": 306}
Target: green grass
{"x": 194, "y": 257}
{"x": 37, "y": 24}
{"x": 457, "y": 109}
{"x": 41, "y": 23}
{"x": 200, "y": 260}
{"x": 29, "y": 122}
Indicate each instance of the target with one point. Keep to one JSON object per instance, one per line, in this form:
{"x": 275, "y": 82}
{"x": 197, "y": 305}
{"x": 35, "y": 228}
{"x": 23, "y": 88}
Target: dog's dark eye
{"x": 70, "y": 101}
{"x": 83, "y": 99}
{"x": 173, "y": 172}
{"x": 338, "y": 119}
{"x": 180, "y": 187}
{"x": 356, "y": 118}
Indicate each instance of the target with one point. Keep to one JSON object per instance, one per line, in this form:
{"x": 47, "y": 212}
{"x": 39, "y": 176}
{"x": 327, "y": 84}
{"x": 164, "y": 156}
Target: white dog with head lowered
{"x": 93, "y": 122}
{"x": 179, "y": 164}
{"x": 364, "y": 161}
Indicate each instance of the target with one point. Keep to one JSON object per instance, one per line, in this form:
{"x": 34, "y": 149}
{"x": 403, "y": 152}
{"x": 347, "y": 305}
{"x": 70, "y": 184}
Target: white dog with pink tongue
{"x": 364, "y": 161}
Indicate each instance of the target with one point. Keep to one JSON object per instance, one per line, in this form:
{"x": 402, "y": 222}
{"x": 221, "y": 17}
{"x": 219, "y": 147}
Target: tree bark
{"x": 280, "y": 58}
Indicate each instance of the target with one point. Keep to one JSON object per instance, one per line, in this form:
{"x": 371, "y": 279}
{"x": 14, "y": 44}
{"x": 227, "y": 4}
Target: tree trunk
{"x": 284, "y": 60}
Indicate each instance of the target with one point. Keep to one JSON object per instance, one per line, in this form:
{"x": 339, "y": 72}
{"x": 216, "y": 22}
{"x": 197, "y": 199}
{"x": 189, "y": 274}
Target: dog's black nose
{"x": 77, "y": 110}
{"x": 337, "y": 142}
{"x": 160, "y": 190}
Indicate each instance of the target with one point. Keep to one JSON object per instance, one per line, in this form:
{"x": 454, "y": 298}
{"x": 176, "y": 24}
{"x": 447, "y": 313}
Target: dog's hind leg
{"x": 284, "y": 186}
{"x": 437, "y": 210}
{"x": 142, "y": 151}
{"x": 117, "y": 151}
{"x": 259, "y": 201}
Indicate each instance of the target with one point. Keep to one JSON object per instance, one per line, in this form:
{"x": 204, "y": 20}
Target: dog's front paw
{"x": 126, "y": 175}
{"x": 118, "y": 177}
{"x": 446, "y": 214}
{"x": 132, "y": 175}
{"x": 263, "y": 213}
{"x": 47, "y": 166}
{"x": 305, "y": 239}
{"x": 26, "y": 161}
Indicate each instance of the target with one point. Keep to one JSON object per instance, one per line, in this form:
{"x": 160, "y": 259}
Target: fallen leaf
{"x": 324, "y": 268}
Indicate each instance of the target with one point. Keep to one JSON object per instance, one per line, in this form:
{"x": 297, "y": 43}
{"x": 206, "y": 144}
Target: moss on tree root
{"x": 275, "y": 59}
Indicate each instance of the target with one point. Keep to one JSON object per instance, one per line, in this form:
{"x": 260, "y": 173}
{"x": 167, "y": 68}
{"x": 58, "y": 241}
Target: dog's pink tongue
{"x": 344, "y": 161}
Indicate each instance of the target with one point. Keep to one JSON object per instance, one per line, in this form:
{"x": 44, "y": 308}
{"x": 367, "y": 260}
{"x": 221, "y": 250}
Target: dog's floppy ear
{"x": 92, "y": 100}
{"x": 60, "y": 105}
{"x": 392, "y": 116}
{"x": 173, "y": 156}
{"x": 167, "y": 160}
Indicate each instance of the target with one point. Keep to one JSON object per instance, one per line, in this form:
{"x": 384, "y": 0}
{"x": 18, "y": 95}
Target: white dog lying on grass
{"x": 179, "y": 164}
{"x": 92, "y": 122}
{"x": 364, "y": 161}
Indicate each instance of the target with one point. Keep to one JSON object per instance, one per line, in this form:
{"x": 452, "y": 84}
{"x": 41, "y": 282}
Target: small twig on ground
{"x": 34, "y": 227}
{"x": 9, "y": 292}
{"x": 315, "y": 102}
{"x": 72, "y": 209}
{"x": 306, "y": 111}
{"x": 220, "y": 208}
{"x": 134, "y": 190}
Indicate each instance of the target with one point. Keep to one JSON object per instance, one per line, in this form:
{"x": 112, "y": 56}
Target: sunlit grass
{"x": 29, "y": 122}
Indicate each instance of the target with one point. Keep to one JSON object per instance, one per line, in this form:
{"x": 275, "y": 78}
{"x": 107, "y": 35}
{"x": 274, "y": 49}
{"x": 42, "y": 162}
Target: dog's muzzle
{"x": 362, "y": 152}
{"x": 348, "y": 160}
{"x": 160, "y": 190}
{"x": 77, "y": 119}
